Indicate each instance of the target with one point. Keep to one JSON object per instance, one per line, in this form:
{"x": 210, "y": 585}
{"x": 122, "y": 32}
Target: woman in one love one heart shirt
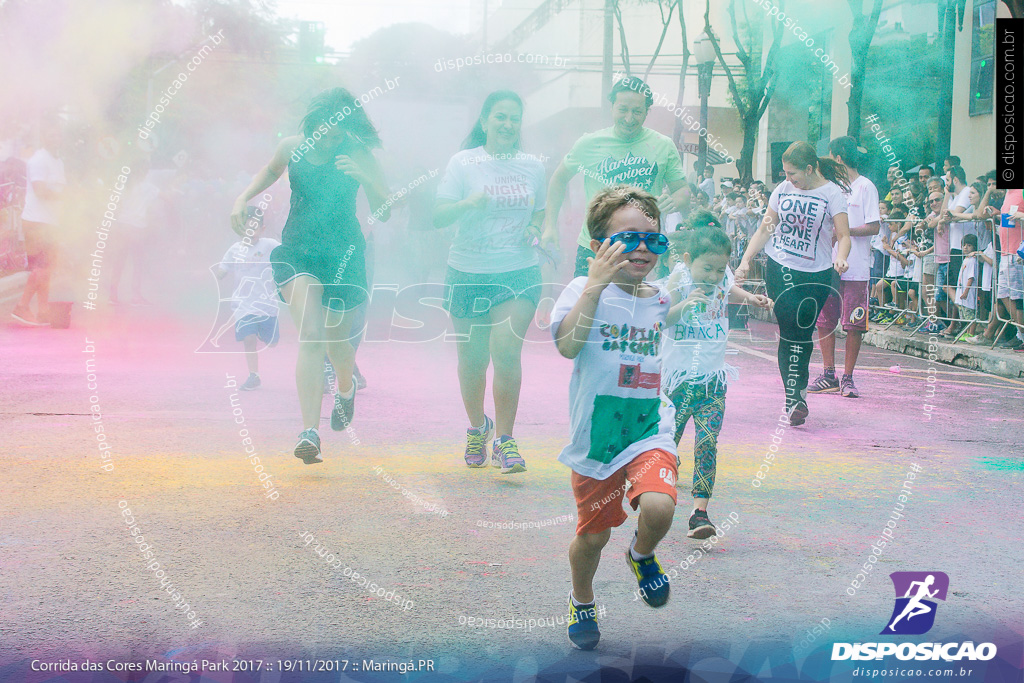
{"x": 805, "y": 214}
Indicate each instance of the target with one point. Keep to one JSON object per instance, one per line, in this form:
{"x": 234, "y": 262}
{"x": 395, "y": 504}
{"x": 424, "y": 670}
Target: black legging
{"x": 798, "y": 297}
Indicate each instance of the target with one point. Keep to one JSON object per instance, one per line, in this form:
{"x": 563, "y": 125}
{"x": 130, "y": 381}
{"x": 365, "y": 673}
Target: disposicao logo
{"x": 914, "y": 614}
{"x": 916, "y": 592}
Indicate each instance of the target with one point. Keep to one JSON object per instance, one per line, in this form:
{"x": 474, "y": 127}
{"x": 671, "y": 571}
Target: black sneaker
{"x": 824, "y": 384}
{"x": 798, "y": 413}
{"x": 1012, "y": 344}
{"x": 344, "y": 409}
{"x": 700, "y": 526}
{"x": 308, "y": 448}
{"x": 358, "y": 379}
{"x": 253, "y": 382}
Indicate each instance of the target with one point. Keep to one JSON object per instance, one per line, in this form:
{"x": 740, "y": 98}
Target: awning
{"x": 713, "y": 157}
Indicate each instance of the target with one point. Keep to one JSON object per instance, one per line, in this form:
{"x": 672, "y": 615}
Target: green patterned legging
{"x": 705, "y": 403}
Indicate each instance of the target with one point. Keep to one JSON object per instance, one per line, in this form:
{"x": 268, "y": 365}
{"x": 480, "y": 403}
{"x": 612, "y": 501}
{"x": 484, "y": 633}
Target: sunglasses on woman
{"x": 657, "y": 243}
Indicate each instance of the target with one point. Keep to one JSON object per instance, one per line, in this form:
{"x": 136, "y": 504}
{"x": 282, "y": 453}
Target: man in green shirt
{"x": 627, "y": 153}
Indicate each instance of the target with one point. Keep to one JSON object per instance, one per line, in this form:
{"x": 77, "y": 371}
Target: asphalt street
{"x": 74, "y": 583}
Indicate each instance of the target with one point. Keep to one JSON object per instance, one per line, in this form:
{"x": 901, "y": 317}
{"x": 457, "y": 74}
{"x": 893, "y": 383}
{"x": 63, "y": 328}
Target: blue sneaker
{"x": 583, "y": 631}
{"x": 506, "y": 452}
{"x": 308, "y": 448}
{"x": 476, "y": 444}
{"x": 651, "y": 579}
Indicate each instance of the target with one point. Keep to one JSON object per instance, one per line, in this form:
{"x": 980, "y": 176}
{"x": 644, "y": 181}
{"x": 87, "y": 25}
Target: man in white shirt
{"x": 850, "y": 303}
{"x": 45, "y": 184}
{"x": 957, "y": 199}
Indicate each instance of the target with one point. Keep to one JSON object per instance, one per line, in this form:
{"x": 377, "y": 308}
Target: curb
{"x": 995, "y": 362}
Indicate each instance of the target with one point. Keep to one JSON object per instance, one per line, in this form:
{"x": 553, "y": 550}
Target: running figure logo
{"x": 916, "y": 592}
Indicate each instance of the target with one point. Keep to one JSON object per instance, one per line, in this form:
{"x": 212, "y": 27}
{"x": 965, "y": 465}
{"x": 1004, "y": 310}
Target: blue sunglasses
{"x": 657, "y": 243}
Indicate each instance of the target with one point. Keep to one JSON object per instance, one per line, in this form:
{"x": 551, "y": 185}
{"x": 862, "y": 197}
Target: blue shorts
{"x": 264, "y": 327}
{"x": 941, "y": 280}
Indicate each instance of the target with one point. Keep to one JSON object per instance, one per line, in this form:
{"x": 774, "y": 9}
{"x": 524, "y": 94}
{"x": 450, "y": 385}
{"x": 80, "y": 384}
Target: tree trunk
{"x": 861, "y": 35}
{"x": 745, "y": 164}
{"x": 752, "y": 102}
{"x": 859, "y": 53}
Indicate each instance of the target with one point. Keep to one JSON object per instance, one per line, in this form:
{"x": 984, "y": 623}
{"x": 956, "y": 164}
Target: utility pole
{"x": 947, "y": 26}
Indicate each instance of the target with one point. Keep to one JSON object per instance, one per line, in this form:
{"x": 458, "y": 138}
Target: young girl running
{"x": 320, "y": 266}
{"x": 693, "y": 368}
{"x": 806, "y": 212}
{"x": 496, "y": 193}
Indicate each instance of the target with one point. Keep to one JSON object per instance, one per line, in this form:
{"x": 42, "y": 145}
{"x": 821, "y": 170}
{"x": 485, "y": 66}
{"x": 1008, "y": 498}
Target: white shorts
{"x": 1010, "y": 283}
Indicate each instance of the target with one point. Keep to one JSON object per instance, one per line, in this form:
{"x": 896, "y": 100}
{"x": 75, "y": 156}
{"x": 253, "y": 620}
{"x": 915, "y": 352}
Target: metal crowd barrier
{"x": 1015, "y": 262}
{"x": 925, "y": 302}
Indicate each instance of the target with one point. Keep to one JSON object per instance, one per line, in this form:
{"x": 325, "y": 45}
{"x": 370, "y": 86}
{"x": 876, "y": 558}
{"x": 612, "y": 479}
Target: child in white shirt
{"x": 693, "y": 368}
{"x": 966, "y": 284}
{"x": 254, "y": 298}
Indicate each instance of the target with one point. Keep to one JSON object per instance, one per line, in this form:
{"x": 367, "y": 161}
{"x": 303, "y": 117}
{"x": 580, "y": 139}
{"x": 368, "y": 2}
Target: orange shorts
{"x": 599, "y": 501}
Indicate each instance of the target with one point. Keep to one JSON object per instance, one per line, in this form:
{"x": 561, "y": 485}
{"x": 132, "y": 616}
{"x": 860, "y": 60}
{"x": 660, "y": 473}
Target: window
{"x": 982, "y": 57}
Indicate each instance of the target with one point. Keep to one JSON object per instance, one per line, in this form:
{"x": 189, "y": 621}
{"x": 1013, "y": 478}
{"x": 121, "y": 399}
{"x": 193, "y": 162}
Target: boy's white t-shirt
{"x": 862, "y": 208}
{"x": 616, "y": 408}
{"x": 693, "y": 350}
{"x": 896, "y": 269}
{"x": 494, "y": 239}
{"x": 883, "y": 233}
{"x": 255, "y": 291}
{"x": 986, "y": 269}
{"x": 968, "y": 270}
{"x": 803, "y": 239}
{"x": 42, "y": 166}
{"x": 671, "y": 222}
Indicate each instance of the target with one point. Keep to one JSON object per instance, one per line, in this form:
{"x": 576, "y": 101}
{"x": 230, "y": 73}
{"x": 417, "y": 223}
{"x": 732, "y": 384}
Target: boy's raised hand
{"x": 603, "y": 266}
{"x": 761, "y": 301}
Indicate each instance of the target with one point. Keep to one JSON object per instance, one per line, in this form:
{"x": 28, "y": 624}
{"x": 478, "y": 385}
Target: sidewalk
{"x": 994, "y": 361}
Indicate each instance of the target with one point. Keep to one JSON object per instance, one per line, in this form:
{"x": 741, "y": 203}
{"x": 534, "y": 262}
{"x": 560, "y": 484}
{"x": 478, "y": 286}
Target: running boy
{"x": 254, "y": 300}
{"x": 693, "y": 368}
{"x": 610, "y": 324}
